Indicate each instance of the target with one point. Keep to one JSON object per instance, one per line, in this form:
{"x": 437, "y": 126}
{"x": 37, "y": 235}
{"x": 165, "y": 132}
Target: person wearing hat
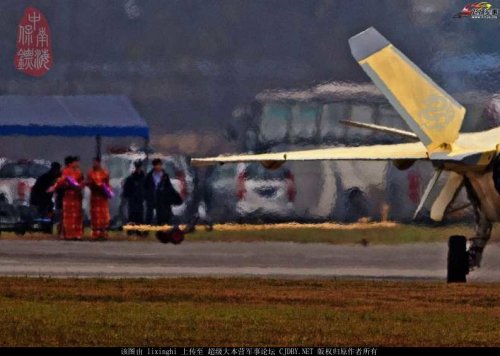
{"x": 133, "y": 194}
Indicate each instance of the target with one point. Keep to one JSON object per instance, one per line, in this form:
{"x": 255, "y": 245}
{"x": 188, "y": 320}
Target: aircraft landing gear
{"x": 458, "y": 259}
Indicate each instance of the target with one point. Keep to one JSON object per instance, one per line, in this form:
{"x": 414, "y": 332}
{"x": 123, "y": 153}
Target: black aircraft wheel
{"x": 458, "y": 259}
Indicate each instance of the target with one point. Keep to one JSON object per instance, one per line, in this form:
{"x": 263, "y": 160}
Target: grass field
{"x": 236, "y": 312}
{"x": 382, "y": 233}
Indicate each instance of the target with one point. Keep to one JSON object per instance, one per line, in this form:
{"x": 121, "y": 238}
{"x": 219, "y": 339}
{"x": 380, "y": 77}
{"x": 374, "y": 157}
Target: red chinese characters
{"x": 34, "y": 47}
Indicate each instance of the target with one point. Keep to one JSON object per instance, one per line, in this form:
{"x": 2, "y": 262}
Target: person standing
{"x": 39, "y": 197}
{"x": 133, "y": 194}
{"x": 200, "y": 197}
{"x": 160, "y": 195}
{"x": 98, "y": 182}
{"x": 72, "y": 182}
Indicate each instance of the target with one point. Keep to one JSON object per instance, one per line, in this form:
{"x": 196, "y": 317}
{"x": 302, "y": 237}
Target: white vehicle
{"x": 248, "y": 191}
{"x": 265, "y": 192}
{"x": 18, "y": 177}
{"x": 121, "y": 165}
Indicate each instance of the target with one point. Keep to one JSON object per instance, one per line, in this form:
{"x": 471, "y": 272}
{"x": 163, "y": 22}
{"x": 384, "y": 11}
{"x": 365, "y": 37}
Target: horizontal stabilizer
{"x": 414, "y": 150}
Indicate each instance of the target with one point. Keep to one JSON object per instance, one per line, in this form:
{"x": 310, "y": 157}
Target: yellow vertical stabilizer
{"x": 430, "y": 112}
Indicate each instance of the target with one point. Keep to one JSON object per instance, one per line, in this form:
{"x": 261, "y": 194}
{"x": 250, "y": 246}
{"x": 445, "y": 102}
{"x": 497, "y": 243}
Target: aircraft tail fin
{"x": 430, "y": 112}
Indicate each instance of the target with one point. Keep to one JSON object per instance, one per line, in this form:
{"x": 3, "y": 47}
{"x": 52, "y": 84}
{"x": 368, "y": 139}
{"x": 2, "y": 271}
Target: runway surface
{"x": 125, "y": 259}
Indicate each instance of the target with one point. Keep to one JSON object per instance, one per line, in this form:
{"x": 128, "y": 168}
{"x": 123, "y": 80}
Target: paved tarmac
{"x": 131, "y": 259}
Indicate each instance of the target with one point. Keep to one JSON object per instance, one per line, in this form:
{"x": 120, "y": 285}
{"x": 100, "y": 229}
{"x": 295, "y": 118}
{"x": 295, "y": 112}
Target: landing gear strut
{"x": 458, "y": 259}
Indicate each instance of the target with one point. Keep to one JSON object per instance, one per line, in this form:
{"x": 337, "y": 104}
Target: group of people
{"x": 68, "y": 185}
{"x": 154, "y": 188}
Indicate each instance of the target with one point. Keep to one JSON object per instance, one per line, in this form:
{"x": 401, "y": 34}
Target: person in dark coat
{"x": 39, "y": 197}
{"x": 160, "y": 195}
{"x": 133, "y": 193}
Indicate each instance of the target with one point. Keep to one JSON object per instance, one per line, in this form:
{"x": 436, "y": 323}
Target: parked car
{"x": 120, "y": 165}
{"x": 18, "y": 177}
{"x": 249, "y": 192}
{"x": 16, "y": 181}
